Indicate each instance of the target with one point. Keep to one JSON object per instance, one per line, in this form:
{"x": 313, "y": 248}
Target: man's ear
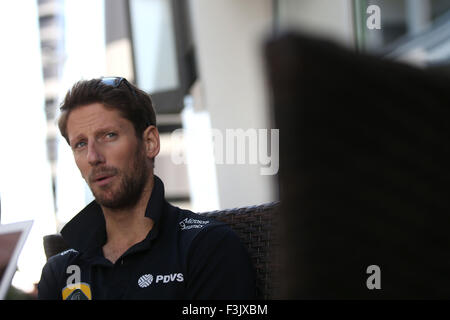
{"x": 150, "y": 137}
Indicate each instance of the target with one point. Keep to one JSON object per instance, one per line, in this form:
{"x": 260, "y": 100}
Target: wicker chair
{"x": 255, "y": 225}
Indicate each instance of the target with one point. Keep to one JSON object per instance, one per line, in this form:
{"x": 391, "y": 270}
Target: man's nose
{"x": 94, "y": 155}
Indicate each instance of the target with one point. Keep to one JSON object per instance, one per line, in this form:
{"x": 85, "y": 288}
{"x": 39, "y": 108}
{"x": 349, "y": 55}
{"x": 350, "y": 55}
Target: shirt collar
{"x": 87, "y": 230}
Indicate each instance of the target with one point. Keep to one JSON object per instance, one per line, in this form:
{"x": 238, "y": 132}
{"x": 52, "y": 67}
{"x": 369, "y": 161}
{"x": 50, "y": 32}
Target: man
{"x": 130, "y": 243}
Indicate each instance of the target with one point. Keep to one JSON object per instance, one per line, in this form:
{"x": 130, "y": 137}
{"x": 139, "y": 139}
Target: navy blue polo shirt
{"x": 184, "y": 256}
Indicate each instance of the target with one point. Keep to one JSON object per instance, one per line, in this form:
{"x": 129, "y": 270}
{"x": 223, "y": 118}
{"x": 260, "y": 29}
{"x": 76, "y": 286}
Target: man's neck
{"x": 126, "y": 227}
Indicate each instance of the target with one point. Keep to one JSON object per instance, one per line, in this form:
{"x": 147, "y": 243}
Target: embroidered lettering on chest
{"x": 189, "y": 223}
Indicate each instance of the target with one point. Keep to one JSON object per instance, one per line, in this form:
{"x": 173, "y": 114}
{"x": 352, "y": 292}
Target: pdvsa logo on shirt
{"x": 147, "y": 279}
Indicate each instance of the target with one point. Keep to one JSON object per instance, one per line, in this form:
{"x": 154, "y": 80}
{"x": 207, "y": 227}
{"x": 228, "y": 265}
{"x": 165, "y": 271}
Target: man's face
{"x": 110, "y": 157}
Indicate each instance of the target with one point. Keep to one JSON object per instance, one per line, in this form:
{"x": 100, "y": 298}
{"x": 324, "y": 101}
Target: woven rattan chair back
{"x": 256, "y": 226}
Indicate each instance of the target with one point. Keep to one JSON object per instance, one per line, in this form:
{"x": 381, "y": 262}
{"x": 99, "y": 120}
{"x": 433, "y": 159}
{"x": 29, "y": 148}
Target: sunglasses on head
{"x": 116, "y": 82}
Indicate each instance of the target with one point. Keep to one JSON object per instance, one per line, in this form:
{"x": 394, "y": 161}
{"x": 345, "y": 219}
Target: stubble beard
{"x": 129, "y": 187}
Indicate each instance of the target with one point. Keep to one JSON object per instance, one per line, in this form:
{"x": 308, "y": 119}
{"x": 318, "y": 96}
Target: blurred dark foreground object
{"x": 17, "y": 294}
{"x": 364, "y": 173}
{"x": 255, "y": 225}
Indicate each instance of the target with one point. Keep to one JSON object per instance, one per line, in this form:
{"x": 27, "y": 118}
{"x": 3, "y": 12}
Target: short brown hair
{"x": 134, "y": 104}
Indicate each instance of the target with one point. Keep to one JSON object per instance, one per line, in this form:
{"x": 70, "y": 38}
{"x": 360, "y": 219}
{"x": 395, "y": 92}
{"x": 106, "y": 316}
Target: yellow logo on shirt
{"x": 77, "y": 291}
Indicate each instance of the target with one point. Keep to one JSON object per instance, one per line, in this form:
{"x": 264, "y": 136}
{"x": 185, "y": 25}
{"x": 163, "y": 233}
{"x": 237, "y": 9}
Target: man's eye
{"x": 79, "y": 145}
{"x": 111, "y": 135}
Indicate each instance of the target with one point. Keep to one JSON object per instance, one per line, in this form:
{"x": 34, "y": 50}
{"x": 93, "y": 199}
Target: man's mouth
{"x": 102, "y": 179}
